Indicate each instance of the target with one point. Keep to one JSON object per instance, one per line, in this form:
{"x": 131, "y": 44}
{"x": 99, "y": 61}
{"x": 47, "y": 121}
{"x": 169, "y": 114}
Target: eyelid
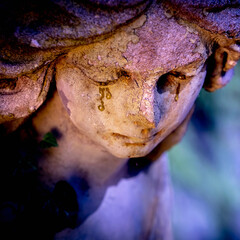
{"x": 120, "y": 74}
{"x": 108, "y": 82}
{"x": 177, "y": 74}
{"x": 180, "y": 76}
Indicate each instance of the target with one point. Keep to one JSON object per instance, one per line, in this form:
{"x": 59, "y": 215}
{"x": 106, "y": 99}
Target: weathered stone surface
{"x": 129, "y": 65}
{"x": 127, "y": 74}
{"x": 116, "y": 3}
{"x": 23, "y": 95}
{"x": 222, "y": 17}
{"x": 30, "y": 27}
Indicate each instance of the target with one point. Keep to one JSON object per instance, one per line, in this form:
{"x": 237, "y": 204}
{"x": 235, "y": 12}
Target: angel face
{"x": 128, "y": 92}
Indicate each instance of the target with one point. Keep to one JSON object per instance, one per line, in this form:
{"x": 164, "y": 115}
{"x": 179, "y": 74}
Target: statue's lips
{"x": 134, "y": 140}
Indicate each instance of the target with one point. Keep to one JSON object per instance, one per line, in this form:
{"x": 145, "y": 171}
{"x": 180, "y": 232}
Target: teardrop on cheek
{"x": 101, "y": 107}
{"x": 108, "y": 94}
{"x": 177, "y": 92}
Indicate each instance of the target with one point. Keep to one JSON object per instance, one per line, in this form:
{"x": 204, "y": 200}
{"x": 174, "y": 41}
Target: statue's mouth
{"x": 134, "y": 140}
{"x": 137, "y": 141}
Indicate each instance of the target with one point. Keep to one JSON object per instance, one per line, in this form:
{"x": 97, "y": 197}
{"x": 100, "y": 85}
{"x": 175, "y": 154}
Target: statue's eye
{"x": 123, "y": 73}
{"x": 176, "y": 76}
{"x": 117, "y": 76}
{"x": 170, "y": 80}
{"x": 7, "y": 85}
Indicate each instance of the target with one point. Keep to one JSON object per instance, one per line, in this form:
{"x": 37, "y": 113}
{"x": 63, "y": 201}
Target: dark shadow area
{"x": 31, "y": 210}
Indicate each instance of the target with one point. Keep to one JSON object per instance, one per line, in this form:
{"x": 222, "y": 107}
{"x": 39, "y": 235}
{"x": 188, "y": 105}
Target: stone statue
{"x": 114, "y": 82}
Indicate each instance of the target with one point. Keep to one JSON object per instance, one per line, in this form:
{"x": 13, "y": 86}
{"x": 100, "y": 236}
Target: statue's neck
{"x": 76, "y": 155}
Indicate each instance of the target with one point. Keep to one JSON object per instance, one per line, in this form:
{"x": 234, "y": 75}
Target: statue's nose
{"x": 149, "y": 108}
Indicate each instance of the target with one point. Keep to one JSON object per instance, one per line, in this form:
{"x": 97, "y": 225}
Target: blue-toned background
{"x": 205, "y": 168}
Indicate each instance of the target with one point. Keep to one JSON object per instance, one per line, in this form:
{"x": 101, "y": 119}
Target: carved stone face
{"x": 128, "y": 92}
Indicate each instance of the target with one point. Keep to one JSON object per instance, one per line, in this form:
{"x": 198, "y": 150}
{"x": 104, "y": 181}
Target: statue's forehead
{"x": 154, "y": 43}
{"x": 164, "y": 44}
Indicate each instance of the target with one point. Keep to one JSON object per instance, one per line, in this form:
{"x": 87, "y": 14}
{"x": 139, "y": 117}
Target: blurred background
{"x": 205, "y": 168}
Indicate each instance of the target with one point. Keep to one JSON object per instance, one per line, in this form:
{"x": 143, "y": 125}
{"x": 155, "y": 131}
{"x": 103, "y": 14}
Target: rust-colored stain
{"x": 117, "y": 135}
{"x": 134, "y": 144}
